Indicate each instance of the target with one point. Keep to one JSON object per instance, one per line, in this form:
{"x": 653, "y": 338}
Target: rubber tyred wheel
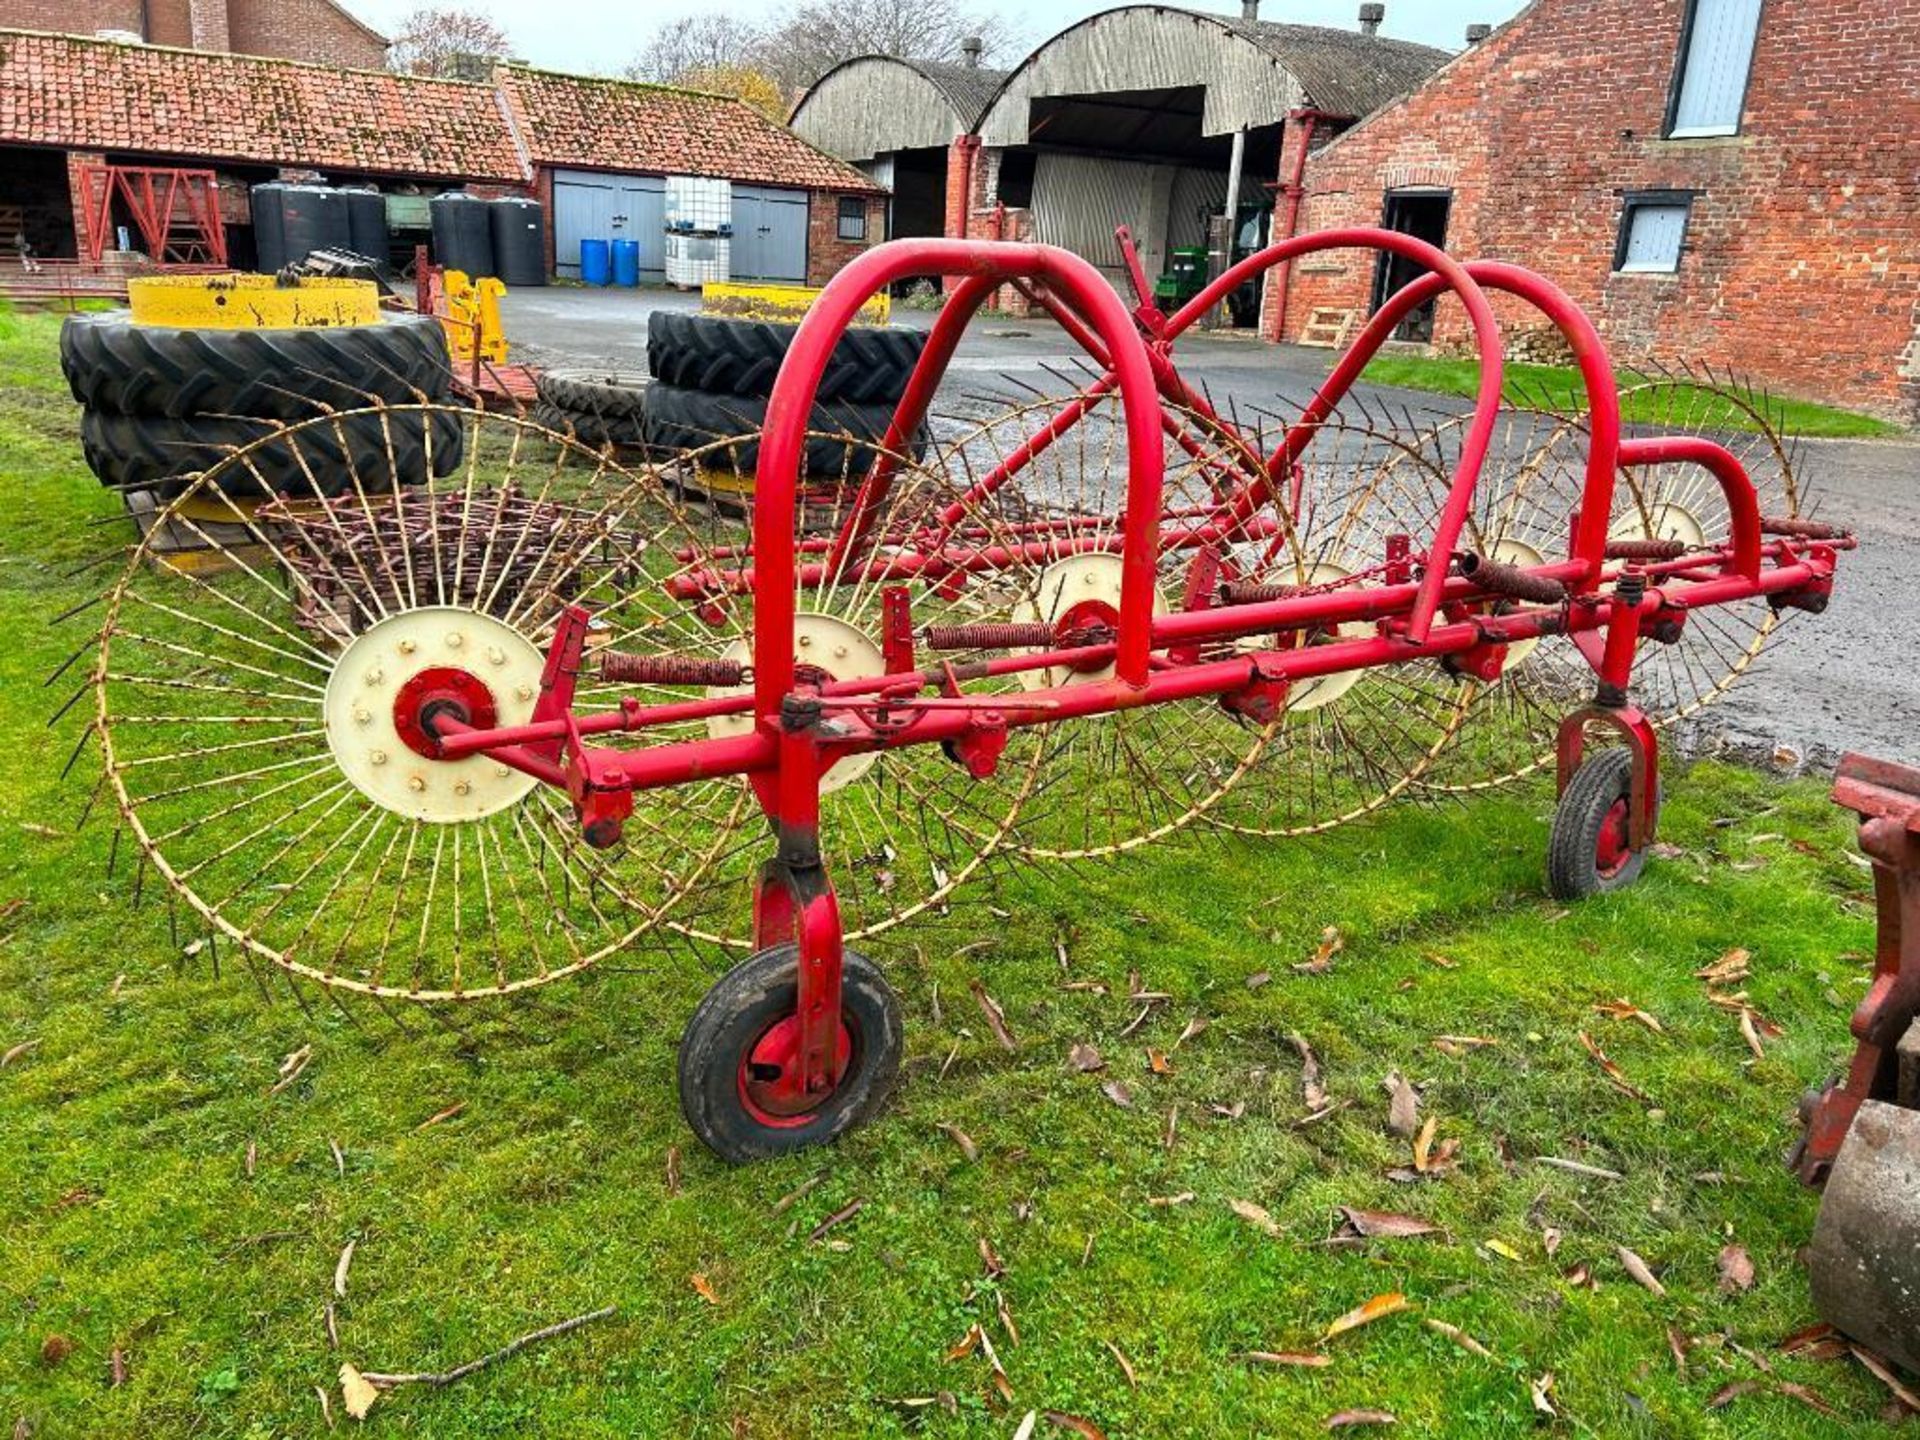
{"x": 1589, "y": 853}
{"x": 744, "y": 1034}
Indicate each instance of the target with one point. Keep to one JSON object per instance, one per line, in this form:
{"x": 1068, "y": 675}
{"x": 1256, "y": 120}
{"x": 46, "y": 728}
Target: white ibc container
{"x": 698, "y": 260}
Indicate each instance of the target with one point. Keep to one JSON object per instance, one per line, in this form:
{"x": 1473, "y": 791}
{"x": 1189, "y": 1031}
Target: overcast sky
{"x": 589, "y": 35}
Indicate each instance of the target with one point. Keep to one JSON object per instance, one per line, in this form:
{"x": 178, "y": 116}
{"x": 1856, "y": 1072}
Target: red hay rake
{"x": 425, "y": 742}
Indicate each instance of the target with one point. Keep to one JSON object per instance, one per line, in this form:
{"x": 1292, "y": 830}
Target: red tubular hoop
{"x": 984, "y": 265}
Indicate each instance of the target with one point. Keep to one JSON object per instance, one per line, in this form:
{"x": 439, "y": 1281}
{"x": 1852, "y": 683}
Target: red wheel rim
{"x": 1612, "y": 849}
{"x": 766, "y": 1092}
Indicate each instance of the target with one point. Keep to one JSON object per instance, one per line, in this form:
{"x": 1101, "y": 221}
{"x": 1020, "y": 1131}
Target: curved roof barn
{"x": 1253, "y": 72}
{"x": 873, "y": 104}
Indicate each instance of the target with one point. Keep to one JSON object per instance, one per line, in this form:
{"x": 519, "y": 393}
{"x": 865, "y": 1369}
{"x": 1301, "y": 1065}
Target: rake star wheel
{"x": 904, "y": 827}
{"x": 1534, "y": 484}
{"x": 268, "y": 711}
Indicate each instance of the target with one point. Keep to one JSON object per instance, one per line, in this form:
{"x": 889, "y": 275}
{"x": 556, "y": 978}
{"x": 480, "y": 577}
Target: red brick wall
{"x": 826, "y": 251}
{"x": 1802, "y": 266}
{"x": 288, "y": 29}
{"x": 303, "y": 30}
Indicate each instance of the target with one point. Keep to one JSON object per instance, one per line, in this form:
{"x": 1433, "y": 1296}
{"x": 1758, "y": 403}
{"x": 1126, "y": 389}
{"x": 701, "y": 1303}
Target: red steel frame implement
{"x": 802, "y": 727}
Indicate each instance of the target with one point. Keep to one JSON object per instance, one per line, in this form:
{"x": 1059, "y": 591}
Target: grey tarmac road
{"x": 1846, "y": 680}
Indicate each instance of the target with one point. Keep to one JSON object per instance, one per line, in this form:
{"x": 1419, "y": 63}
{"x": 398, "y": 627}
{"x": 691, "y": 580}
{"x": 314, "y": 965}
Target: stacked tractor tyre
{"x": 163, "y": 403}
{"x": 596, "y": 408}
{"x": 712, "y": 376}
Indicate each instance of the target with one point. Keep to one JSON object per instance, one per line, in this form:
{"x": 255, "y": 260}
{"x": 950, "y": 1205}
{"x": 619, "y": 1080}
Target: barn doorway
{"x": 1422, "y": 214}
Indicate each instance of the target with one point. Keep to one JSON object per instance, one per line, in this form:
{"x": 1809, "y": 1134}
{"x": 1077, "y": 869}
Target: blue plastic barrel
{"x": 596, "y": 262}
{"x": 626, "y": 263}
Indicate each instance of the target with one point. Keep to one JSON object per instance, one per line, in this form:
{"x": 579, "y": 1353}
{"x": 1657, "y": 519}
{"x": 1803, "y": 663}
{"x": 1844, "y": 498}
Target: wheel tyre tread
{"x": 680, "y": 419}
{"x": 155, "y": 452}
{"x": 722, "y": 355}
{"x": 731, "y": 1014}
{"x": 601, "y": 394}
{"x": 175, "y": 372}
{"x": 1573, "y": 871}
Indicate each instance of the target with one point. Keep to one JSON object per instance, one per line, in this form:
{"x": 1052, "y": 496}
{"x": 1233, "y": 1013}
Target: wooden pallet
{"x": 1327, "y": 329}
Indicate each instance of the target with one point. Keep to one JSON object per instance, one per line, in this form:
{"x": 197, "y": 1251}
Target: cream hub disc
{"x": 820, "y": 642}
{"x": 1664, "y": 520}
{"x": 1089, "y": 583}
{"x": 1321, "y": 690}
{"x": 369, "y": 710}
{"x": 1523, "y": 555}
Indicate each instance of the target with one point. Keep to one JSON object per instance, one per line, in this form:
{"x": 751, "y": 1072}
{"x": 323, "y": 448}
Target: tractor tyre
{"x": 376, "y": 447}
{"x": 114, "y": 365}
{"x": 609, "y": 395}
{"x": 722, "y": 356}
{"x": 681, "y": 420}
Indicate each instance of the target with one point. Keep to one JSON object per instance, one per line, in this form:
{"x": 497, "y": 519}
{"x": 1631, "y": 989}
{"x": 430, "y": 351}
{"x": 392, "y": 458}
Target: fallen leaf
{"x": 1006, "y": 1318}
{"x": 1811, "y": 1338}
{"x": 326, "y": 1404}
{"x": 1736, "y": 1269}
{"x": 1310, "y": 1088}
{"x": 1550, "y": 1241}
{"x": 1085, "y": 1059}
{"x": 1259, "y": 978}
{"x": 1380, "y": 1306}
{"x": 1637, "y": 1268}
{"x": 1806, "y": 1395}
{"x": 966, "y": 1344}
{"x": 1458, "y": 1336}
{"x": 1077, "y": 1424}
{"x": 1118, "y": 1094}
{"x": 446, "y": 1114}
{"x": 1025, "y": 1431}
{"x": 1580, "y": 1277}
{"x": 1468, "y": 1042}
{"x": 1385, "y": 1225}
{"x": 703, "y": 1287}
{"x": 1615, "y": 1076}
{"x": 1732, "y": 966}
{"x": 1195, "y": 1027}
{"x": 962, "y": 1139}
{"x": 1157, "y": 1062}
{"x": 357, "y": 1391}
{"x": 1433, "y": 958}
{"x": 290, "y": 1069}
{"x": 55, "y": 1349}
{"x": 798, "y": 1193}
{"x": 1304, "y": 1359}
{"x": 116, "y": 1368}
{"x": 1256, "y": 1215}
{"x": 1678, "y": 1345}
{"x": 839, "y": 1217}
{"x": 340, "y": 1269}
{"x": 1729, "y": 1393}
{"x": 1331, "y": 944}
{"x": 1541, "y": 1403}
{"x": 1627, "y": 1010}
{"x": 1423, "y": 1143}
{"x": 990, "y": 1259}
{"x": 1403, "y": 1106}
{"x": 1504, "y": 1250}
{"x": 996, "y": 1018}
{"x": 673, "y": 1169}
{"x": 1162, "y": 1202}
{"x": 1751, "y": 1036}
{"x": 339, "y": 1157}
{"x": 1230, "y": 1112}
{"x": 1360, "y": 1417}
{"x": 1881, "y": 1372}
{"x": 25, "y": 1047}
{"x": 1126, "y": 1366}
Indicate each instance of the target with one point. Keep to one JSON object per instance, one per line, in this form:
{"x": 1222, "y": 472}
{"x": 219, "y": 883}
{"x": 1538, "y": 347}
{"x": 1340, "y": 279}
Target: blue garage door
{"x": 595, "y": 205}
{"x": 769, "y": 233}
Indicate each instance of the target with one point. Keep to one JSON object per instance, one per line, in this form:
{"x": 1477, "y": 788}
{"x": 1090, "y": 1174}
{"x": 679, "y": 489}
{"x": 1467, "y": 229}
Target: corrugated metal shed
{"x": 876, "y": 104}
{"x": 1253, "y": 71}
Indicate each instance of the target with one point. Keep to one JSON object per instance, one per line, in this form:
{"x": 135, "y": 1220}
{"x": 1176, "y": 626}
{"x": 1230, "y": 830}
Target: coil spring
{"x": 1646, "y": 549}
{"x": 623, "y": 668}
{"x": 989, "y": 635}
{"x": 1499, "y": 578}
{"x": 1254, "y": 592}
{"x": 1799, "y": 529}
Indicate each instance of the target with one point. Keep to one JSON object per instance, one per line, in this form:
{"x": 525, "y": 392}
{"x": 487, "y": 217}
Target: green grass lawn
{"x": 1560, "y": 389}
{"x": 160, "y": 1204}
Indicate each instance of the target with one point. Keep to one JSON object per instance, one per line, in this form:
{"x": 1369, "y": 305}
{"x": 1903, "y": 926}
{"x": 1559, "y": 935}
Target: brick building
{"x": 69, "y": 105}
{"x": 316, "y": 30}
{"x": 1735, "y": 182}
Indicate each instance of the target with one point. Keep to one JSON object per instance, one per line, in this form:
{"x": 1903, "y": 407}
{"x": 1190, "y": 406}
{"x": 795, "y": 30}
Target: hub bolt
{"x": 463, "y": 787}
{"x": 496, "y": 656}
{"x": 454, "y": 640}
{"x": 362, "y": 715}
{"x": 407, "y": 647}
{"x": 501, "y": 772}
{"x": 523, "y": 692}
{"x": 376, "y": 757}
{"x": 375, "y": 676}
{"x": 416, "y": 783}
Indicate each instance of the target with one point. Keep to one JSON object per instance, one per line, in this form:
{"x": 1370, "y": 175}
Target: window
{"x": 853, "y": 218}
{"x": 1013, "y": 179}
{"x": 1653, "y": 233}
{"x": 1716, "y": 58}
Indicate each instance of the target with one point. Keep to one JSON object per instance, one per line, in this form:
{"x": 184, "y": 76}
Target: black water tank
{"x": 315, "y": 218}
{"x": 462, "y": 233}
{"x": 519, "y": 240}
{"x": 269, "y": 227}
{"x": 367, "y": 223}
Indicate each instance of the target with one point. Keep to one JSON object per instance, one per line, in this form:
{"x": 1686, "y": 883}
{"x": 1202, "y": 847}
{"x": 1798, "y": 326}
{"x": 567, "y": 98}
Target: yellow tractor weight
{"x": 472, "y": 320}
{"x": 787, "y": 304}
{"x": 251, "y": 302}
